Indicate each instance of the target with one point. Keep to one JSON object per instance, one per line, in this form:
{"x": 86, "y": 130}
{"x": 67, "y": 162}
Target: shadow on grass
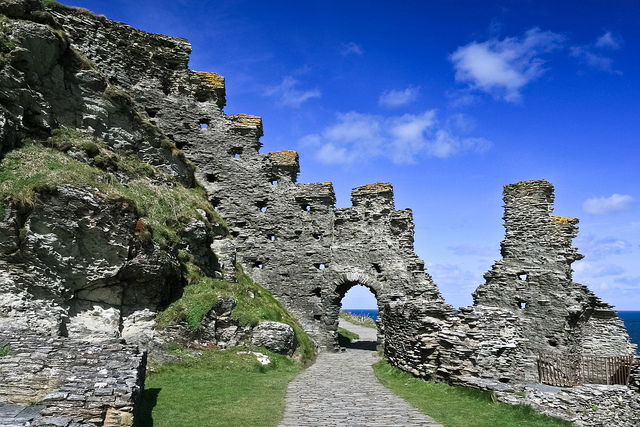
{"x": 148, "y": 400}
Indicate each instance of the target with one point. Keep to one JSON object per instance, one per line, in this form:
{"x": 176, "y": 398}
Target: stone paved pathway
{"x": 340, "y": 389}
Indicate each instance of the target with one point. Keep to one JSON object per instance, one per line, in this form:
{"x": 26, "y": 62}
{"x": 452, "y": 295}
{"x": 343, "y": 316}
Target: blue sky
{"x": 449, "y": 100}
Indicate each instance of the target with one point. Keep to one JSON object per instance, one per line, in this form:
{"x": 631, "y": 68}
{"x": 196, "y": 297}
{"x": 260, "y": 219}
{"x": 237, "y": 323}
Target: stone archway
{"x": 333, "y": 303}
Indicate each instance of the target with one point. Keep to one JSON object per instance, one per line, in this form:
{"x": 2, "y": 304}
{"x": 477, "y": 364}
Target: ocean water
{"x": 631, "y": 320}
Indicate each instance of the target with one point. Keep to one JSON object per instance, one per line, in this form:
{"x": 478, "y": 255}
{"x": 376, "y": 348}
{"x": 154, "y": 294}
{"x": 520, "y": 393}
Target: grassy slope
{"x": 164, "y": 209}
{"x": 358, "y": 320}
{"x": 459, "y": 406}
{"x": 253, "y": 304}
{"x": 218, "y": 388}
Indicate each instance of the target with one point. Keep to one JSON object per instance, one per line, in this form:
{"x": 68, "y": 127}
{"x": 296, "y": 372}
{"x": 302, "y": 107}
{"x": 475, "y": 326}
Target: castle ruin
{"x": 287, "y": 236}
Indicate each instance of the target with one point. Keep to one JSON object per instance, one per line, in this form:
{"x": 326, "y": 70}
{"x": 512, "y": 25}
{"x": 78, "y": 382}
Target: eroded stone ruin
{"x": 74, "y": 273}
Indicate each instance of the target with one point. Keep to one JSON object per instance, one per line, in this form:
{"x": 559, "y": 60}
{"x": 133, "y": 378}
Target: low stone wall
{"x": 480, "y": 346}
{"x": 72, "y": 382}
{"x": 586, "y": 405}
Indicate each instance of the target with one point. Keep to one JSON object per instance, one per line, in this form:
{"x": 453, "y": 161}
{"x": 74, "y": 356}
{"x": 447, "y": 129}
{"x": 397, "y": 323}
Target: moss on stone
{"x": 6, "y": 44}
{"x": 253, "y": 304}
{"x": 5, "y": 350}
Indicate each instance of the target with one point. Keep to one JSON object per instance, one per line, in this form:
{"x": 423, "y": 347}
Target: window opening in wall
{"x": 272, "y": 237}
{"x": 204, "y": 124}
{"x": 263, "y": 209}
{"x": 317, "y": 292}
{"x": 274, "y": 182}
{"x": 307, "y": 208}
{"x": 317, "y": 317}
{"x": 236, "y": 152}
{"x": 262, "y": 206}
{"x": 215, "y": 202}
{"x": 317, "y": 236}
{"x": 523, "y": 276}
{"x": 211, "y": 177}
{"x": 320, "y": 266}
{"x": 181, "y": 144}
{"x": 522, "y": 305}
{"x": 259, "y": 264}
{"x": 377, "y": 268}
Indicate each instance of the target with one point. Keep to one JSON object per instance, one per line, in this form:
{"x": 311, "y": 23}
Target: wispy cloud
{"x": 289, "y": 94}
{"x": 356, "y": 137}
{"x": 605, "y": 205}
{"x": 351, "y": 48}
{"x": 586, "y": 269}
{"x": 397, "y": 98}
{"x": 503, "y": 67}
{"x": 599, "y": 248}
{"x": 596, "y": 54}
{"x": 609, "y": 41}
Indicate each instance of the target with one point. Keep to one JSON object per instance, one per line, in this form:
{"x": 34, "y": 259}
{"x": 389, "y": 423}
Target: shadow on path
{"x": 362, "y": 345}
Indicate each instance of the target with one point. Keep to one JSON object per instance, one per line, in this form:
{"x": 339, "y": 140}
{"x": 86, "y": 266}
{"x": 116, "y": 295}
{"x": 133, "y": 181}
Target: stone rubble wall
{"x": 287, "y": 236}
{"x": 588, "y": 405}
{"x": 72, "y": 382}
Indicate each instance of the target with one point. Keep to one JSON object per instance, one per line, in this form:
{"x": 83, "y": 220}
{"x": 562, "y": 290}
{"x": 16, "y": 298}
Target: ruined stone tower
{"x": 528, "y": 305}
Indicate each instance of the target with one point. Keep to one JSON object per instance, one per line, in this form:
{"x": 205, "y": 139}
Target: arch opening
{"x": 356, "y": 308}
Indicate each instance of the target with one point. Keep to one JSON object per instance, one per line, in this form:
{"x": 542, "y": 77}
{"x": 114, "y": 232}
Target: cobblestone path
{"x": 340, "y": 389}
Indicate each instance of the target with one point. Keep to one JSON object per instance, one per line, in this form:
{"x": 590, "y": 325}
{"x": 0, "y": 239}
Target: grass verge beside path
{"x": 357, "y": 320}
{"x": 458, "y": 406}
{"x": 219, "y": 388}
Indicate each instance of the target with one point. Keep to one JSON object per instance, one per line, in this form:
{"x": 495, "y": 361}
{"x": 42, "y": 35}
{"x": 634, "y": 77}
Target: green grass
{"x": 459, "y": 406}
{"x": 253, "y": 304}
{"x": 358, "y": 320}
{"x": 219, "y": 388}
{"x": 6, "y": 44}
{"x": 346, "y": 337}
{"x": 5, "y": 350}
{"x": 164, "y": 209}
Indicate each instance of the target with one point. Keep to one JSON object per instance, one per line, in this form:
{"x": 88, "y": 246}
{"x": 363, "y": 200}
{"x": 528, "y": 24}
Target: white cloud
{"x": 503, "y": 67}
{"x": 595, "y": 55}
{"x": 356, "y": 137}
{"x": 599, "y": 248}
{"x": 398, "y": 98}
{"x": 288, "y": 94}
{"x": 351, "y": 48}
{"x": 586, "y": 269}
{"x": 605, "y": 205}
{"x": 609, "y": 41}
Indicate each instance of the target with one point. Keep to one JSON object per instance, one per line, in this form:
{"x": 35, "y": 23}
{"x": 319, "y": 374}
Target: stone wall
{"x": 70, "y": 382}
{"x": 288, "y": 236}
{"x": 588, "y": 405}
{"x": 529, "y": 304}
